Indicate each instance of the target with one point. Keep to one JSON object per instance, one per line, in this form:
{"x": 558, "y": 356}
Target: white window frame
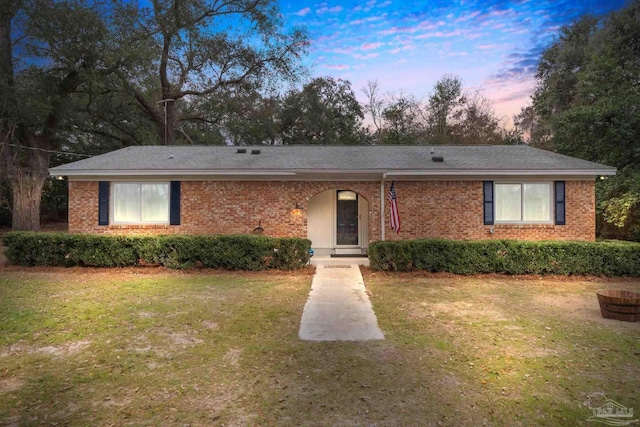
{"x": 112, "y": 203}
{"x": 522, "y": 202}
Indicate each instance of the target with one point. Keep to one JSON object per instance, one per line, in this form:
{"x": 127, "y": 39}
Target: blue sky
{"x": 408, "y": 45}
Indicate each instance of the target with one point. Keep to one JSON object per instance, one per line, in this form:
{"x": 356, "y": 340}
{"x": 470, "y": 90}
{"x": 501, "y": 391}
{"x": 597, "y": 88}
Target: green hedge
{"x": 232, "y": 252}
{"x": 507, "y": 257}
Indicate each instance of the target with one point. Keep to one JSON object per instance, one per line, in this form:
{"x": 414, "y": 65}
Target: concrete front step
{"x": 328, "y": 260}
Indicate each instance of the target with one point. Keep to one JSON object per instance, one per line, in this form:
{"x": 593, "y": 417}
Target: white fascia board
{"x": 326, "y": 174}
{"x": 504, "y": 172}
{"x": 222, "y": 175}
{"x": 167, "y": 172}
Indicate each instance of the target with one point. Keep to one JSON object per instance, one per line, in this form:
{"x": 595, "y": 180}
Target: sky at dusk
{"x": 493, "y": 46}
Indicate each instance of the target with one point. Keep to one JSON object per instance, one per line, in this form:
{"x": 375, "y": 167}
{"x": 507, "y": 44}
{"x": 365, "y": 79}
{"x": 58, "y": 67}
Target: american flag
{"x": 393, "y": 202}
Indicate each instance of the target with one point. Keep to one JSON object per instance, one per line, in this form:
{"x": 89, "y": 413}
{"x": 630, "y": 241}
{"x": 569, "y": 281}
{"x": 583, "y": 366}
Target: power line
{"x": 48, "y": 151}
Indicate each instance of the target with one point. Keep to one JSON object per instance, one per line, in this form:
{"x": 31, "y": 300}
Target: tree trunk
{"x": 27, "y": 171}
{"x": 27, "y": 195}
{"x": 170, "y": 123}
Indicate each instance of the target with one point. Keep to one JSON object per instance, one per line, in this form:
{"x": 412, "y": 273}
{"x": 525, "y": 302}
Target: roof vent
{"x": 170, "y": 156}
{"x": 241, "y": 150}
{"x": 432, "y": 151}
{"x": 437, "y": 159}
{"x": 255, "y": 151}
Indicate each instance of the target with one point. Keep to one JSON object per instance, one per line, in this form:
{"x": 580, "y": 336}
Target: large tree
{"x": 48, "y": 50}
{"x": 443, "y": 108}
{"x": 251, "y": 118}
{"x": 588, "y": 96}
{"x": 325, "y": 111}
{"x": 403, "y": 120}
{"x": 374, "y": 106}
{"x": 201, "y": 50}
{"x": 477, "y": 123}
{"x": 87, "y": 75}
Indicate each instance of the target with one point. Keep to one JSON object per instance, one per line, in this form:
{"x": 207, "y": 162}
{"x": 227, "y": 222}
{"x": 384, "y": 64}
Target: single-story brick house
{"x": 336, "y": 195}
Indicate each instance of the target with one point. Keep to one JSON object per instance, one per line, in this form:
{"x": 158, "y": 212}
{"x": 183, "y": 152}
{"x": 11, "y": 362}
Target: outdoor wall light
{"x": 297, "y": 210}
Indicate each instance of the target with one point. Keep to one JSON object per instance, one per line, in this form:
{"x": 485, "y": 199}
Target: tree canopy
{"x": 90, "y": 76}
{"x": 50, "y": 50}
{"x": 325, "y": 111}
{"x": 83, "y": 77}
{"x": 586, "y": 104}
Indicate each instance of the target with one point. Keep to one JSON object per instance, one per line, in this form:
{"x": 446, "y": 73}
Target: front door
{"x": 347, "y": 218}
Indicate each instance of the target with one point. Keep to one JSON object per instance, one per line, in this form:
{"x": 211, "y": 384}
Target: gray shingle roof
{"x": 157, "y": 160}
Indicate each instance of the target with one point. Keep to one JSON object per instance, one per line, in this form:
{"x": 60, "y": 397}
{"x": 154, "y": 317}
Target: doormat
{"x": 337, "y": 266}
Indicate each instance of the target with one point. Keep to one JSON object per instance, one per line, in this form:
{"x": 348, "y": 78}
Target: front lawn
{"x": 157, "y": 347}
{"x": 501, "y": 350}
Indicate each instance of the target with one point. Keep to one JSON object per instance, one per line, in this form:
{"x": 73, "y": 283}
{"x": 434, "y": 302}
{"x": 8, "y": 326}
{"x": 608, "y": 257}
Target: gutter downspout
{"x": 384, "y": 176}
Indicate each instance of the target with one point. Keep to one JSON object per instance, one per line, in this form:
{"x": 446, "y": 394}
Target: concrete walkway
{"x": 338, "y": 307}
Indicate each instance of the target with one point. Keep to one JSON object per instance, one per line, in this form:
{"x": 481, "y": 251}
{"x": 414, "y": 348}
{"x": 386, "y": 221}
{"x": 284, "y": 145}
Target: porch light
{"x": 297, "y": 210}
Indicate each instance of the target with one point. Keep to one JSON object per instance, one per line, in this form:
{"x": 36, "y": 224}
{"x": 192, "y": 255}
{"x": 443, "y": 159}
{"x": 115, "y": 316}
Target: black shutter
{"x": 103, "y": 202}
{"x": 174, "y": 203}
{"x": 560, "y": 203}
{"x": 487, "y": 193}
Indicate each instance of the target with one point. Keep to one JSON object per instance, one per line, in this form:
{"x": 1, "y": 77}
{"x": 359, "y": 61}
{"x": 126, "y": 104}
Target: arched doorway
{"x": 338, "y": 222}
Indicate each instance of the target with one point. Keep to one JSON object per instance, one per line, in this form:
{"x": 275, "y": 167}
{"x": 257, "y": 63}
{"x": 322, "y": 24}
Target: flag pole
{"x": 382, "y": 203}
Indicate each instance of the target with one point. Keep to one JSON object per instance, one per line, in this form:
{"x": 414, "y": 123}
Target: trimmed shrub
{"x": 60, "y": 249}
{"x": 231, "y": 252}
{"x": 507, "y": 257}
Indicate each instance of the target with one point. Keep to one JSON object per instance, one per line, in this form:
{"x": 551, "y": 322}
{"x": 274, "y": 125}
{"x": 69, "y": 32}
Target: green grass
{"x": 523, "y": 351}
{"x": 155, "y": 347}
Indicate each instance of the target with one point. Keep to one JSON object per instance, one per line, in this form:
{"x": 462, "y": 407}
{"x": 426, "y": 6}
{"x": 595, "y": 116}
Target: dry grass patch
{"x": 147, "y": 346}
{"x": 526, "y": 350}
{"x": 139, "y": 346}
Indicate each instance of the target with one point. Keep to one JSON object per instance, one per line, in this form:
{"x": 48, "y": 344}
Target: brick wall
{"x": 229, "y": 207}
{"x": 454, "y": 210}
{"x": 445, "y": 209}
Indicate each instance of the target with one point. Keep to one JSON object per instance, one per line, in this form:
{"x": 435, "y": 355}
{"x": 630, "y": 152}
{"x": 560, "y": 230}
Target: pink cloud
{"x": 501, "y": 13}
{"x": 425, "y": 25}
{"x": 367, "y": 56}
{"x": 429, "y": 25}
{"x": 367, "y": 20}
{"x": 439, "y": 34}
{"x": 371, "y": 46}
{"x": 326, "y": 9}
{"x": 337, "y": 67}
{"x": 327, "y": 38}
{"x": 488, "y": 46}
{"x": 509, "y": 96}
{"x": 343, "y": 50}
{"x": 467, "y": 17}
{"x": 518, "y": 31}
{"x": 407, "y": 47}
{"x": 474, "y": 36}
{"x": 398, "y": 30}
{"x": 303, "y": 12}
